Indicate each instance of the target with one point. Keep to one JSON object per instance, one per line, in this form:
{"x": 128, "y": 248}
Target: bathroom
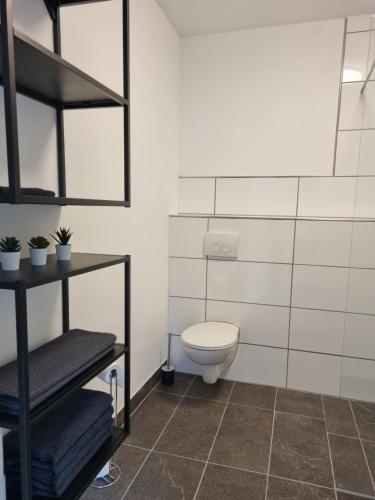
{"x": 234, "y": 173}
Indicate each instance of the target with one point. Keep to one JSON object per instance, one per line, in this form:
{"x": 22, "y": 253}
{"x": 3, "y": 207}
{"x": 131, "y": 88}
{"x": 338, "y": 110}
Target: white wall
{"x": 97, "y": 299}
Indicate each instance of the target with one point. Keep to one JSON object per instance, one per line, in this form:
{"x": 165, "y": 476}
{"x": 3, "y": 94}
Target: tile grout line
{"x": 329, "y": 447}
{"x": 156, "y": 442}
{"x": 363, "y": 448}
{"x": 271, "y": 443}
{"x": 214, "y": 441}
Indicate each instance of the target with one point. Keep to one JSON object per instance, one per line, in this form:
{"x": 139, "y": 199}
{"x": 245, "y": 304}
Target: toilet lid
{"x": 211, "y": 335}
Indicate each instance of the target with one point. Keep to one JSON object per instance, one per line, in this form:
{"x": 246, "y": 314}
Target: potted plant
{"x": 63, "y": 248}
{"x": 10, "y": 253}
{"x": 38, "y": 250}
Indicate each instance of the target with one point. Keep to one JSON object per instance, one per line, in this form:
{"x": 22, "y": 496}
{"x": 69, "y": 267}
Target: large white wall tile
{"x": 348, "y": 152}
{"x": 365, "y": 199}
{"x": 323, "y": 243}
{"x": 179, "y": 359}
{"x": 351, "y": 111}
{"x": 320, "y": 287}
{"x": 184, "y": 313}
{"x": 360, "y": 336}
{"x": 314, "y": 372}
{"x": 196, "y": 196}
{"x": 361, "y": 291}
{"x": 356, "y": 54}
{"x": 256, "y": 196}
{"x": 358, "y": 379}
{"x": 259, "y": 365}
{"x": 363, "y": 245}
{"x": 249, "y": 282}
{"x": 260, "y": 240}
{"x": 367, "y": 152}
{"x": 187, "y": 278}
{"x": 317, "y": 331}
{"x": 359, "y": 23}
{"x": 264, "y": 325}
{"x": 369, "y": 106}
{"x": 186, "y": 236}
{"x": 327, "y": 197}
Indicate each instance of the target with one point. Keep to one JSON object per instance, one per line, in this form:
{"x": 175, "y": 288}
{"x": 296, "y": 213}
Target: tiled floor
{"x": 235, "y": 441}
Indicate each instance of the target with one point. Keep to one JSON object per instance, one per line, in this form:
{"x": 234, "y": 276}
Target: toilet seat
{"x": 210, "y": 336}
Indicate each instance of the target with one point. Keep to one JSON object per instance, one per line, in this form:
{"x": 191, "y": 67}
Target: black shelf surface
{"x": 62, "y": 201}
{"x": 85, "y": 477}
{"x": 46, "y": 77}
{"x": 31, "y": 276}
{"x": 42, "y": 410}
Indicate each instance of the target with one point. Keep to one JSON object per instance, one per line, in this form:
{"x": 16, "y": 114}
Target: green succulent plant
{"x": 10, "y": 244}
{"x": 63, "y": 236}
{"x": 39, "y": 242}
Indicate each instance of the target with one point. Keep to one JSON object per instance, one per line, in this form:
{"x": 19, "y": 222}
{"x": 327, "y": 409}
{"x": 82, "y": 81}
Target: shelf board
{"x": 31, "y": 276}
{"x": 46, "y": 77}
{"x": 63, "y": 201}
{"x": 42, "y": 410}
{"x": 85, "y": 477}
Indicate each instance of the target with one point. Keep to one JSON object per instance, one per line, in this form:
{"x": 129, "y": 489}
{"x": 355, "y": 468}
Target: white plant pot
{"x": 10, "y": 261}
{"x": 38, "y": 256}
{"x": 63, "y": 252}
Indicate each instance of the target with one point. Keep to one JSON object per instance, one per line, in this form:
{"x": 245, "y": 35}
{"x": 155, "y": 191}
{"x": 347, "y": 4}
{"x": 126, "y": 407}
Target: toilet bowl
{"x": 212, "y": 345}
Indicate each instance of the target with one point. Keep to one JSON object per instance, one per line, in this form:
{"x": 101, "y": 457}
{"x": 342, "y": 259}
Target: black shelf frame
{"x": 32, "y": 70}
{"x": 29, "y": 277}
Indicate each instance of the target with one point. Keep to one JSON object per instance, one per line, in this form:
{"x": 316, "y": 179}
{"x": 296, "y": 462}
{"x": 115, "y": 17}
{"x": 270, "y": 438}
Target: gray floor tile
{"x": 150, "y": 419}
{"x": 222, "y": 483}
{"x": 279, "y": 489}
{"x": 244, "y": 438}
{"x": 370, "y": 454}
{"x": 165, "y": 477}
{"x": 260, "y": 396}
{"x": 218, "y": 392}
{"x": 300, "y": 450}
{"x": 129, "y": 460}
{"x": 365, "y": 417}
{"x": 349, "y": 465}
{"x": 348, "y": 496}
{"x": 300, "y": 403}
{"x": 192, "y": 429}
{"x": 339, "y": 416}
{"x": 180, "y": 385}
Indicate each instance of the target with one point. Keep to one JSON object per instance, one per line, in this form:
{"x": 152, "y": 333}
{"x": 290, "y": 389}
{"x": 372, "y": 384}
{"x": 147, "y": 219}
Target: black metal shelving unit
{"x": 30, "y": 69}
{"x": 30, "y": 277}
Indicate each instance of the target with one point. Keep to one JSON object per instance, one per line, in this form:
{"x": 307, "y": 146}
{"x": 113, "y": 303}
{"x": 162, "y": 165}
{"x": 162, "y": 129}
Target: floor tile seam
{"x": 271, "y": 444}
{"x": 156, "y": 442}
{"x": 329, "y": 448}
{"x": 343, "y": 435}
{"x": 213, "y": 443}
{"x": 363, "y": 448}
{"x": 152, "y": 390}
{"x": 321, "y": 419}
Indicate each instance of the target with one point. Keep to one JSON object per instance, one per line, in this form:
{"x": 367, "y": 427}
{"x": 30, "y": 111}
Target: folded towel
{"x": 4, "y": 190}
{"x": 53, "y": 365}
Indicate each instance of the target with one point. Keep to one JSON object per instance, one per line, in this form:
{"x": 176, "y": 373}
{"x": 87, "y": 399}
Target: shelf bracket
{"x": 52, "y": 9}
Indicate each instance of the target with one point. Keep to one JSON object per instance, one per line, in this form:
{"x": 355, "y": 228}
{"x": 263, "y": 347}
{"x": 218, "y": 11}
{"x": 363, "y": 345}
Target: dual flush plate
{"x": 221, "y": 245}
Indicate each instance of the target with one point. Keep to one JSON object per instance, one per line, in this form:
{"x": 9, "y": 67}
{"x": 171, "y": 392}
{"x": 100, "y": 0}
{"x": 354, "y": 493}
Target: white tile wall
{"x": 369, "y": 106}
{"x": 367, "y": 152}
{"x": 249, "y": 282}
{"x": 348, "y": 152}
{"x": 359, "y": 23}
{"x": 260, "y": 365}
{"x": 180, "y": 360}
{"x": 258, "y": 196}
{"x": 260, "y": 240}
{"x": 317, "y": 331}
{"x": 196, "y": 196}
{"x": 363, "y": 245}
{"x": 187, "y": 278}
{"x": 351, "y": 114}
{"x": 323, "y": 243}
{"x": 184, "y": 313}
{"x": 186, "y": 236}
{"x": 365, "y": 198}
{"x": 263, "y": 325}
{"x": 327, "y": 197}
{"x": 314, "y": 372}
{"x": 356, "y": 56}
{"x": 360, "y": 336}
{"x": 358, "y": 379}
{"x": 320, "y": 288}
{"x": 361, "y": 291}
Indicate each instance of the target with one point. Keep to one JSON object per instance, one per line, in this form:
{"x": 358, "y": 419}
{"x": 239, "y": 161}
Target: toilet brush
{"x": 167, "y": 371}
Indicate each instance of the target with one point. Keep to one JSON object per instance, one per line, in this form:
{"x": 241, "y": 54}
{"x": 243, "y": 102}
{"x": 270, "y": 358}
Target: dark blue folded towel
{"x": 29, "y": 191}
{"x": 53, "y": 365}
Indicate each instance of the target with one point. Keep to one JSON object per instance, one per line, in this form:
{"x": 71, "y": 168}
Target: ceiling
{"x": 211, "y": 16}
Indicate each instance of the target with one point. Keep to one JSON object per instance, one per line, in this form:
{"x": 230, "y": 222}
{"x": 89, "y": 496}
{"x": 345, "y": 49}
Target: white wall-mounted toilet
{"x": 212, "y": 345}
